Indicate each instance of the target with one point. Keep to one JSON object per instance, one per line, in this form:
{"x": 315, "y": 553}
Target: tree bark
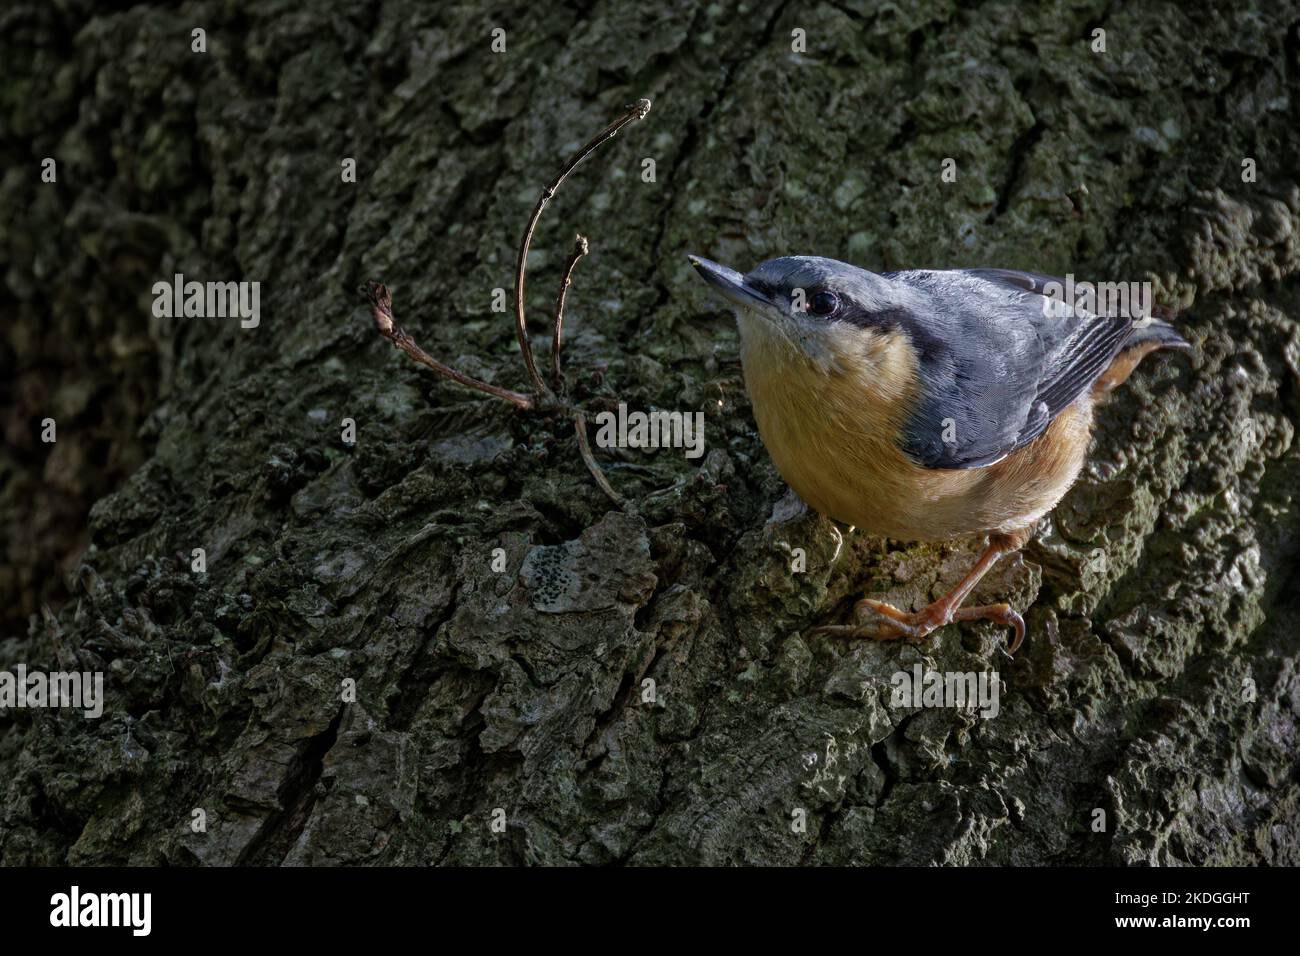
{"x": 498, "y": 618}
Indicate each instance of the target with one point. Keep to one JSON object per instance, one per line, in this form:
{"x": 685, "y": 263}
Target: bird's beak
{"x": 731, "y": 284}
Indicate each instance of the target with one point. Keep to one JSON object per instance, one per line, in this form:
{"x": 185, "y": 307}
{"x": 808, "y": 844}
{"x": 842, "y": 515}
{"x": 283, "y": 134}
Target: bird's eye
{"x": 823, "y": 303}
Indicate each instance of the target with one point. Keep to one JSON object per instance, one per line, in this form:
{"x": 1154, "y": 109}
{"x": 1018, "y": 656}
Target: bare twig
{"x": 381, "y": 306}
{"x": 636, "y": 112}
{"x": 588, "y": 459}
{"x": 580, "y": 249}
{"x": 543, "y": 398}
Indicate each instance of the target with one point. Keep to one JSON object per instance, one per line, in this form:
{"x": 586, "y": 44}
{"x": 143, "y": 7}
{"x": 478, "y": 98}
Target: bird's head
{"x": 833, "y": 314}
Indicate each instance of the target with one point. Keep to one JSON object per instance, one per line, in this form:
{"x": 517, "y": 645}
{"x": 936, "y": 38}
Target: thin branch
{"x": 636, "y": 112}
{"x": 588, "y": 459}
{"x": 381, "y": 306}
{"x": 580, "y": 249}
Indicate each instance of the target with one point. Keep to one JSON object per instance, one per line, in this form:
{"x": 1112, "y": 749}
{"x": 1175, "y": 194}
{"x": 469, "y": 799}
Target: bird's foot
{"x": 879, "y": 621}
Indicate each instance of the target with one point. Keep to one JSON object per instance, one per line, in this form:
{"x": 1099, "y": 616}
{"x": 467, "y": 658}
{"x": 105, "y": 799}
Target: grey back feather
{"x": 997, "y": 367}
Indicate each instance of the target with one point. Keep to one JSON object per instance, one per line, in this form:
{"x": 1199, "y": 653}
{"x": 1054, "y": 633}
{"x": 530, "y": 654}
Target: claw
{"x": 884, "y": 622}
{"x": 879, "y": 621}
{"x": 859, "y": 631}
{"x": 997, "y": 614}
{"x": 839, "y": 543}
{"x": 890, "y": 622}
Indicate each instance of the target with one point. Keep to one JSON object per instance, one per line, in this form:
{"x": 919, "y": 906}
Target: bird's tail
{"x": 1145, "y": 337}
{"x": 1155, "y": 333}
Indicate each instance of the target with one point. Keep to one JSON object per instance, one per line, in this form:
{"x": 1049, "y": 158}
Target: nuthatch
{"x": 927, "y": 405}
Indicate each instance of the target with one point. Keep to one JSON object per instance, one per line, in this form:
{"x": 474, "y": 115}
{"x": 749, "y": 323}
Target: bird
{"x": 928, "y": 404}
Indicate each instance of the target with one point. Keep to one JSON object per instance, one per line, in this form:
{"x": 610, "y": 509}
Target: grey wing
{"x": 1016, "y": 279}
{"x": 996, "y": 365}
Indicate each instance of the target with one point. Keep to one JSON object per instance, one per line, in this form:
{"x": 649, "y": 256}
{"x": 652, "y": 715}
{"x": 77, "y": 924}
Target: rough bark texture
{"x": 1166, "y": 578}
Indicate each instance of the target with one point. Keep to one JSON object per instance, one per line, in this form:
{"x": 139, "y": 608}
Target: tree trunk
{"x": 443, "y": 643}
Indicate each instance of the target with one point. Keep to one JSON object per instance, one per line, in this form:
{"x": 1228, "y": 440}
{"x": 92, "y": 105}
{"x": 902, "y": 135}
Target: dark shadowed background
{"x": 1162, "y": 591}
